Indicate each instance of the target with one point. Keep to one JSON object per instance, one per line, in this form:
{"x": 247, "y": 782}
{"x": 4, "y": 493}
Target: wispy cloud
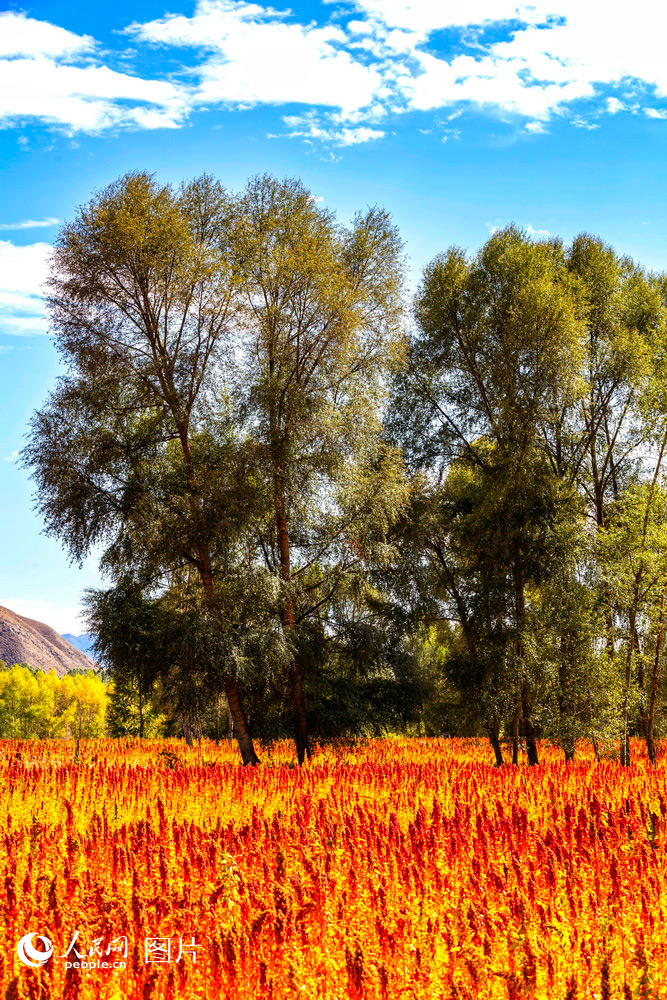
{"x": 312, "y": 128}
{"x": 30, "y": 224}
{"x": 579, "y": 122}
{"x": 23, "y": 271}
{"x": 494, "y": 227}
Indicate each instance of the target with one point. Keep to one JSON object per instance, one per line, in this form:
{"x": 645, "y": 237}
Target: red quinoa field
{"x": 401, "y": 868}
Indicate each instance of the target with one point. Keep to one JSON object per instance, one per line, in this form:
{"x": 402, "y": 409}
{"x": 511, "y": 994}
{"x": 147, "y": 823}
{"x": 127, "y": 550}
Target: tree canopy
{"x": 320, "y": 512}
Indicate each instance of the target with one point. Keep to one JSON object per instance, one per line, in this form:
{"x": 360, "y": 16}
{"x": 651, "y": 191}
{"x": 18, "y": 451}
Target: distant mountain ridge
{"x": 23, "y": 640}
{"x": 82, "y": 642}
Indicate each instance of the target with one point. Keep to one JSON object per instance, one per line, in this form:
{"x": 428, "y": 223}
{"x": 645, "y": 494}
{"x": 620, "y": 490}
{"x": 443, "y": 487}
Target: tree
{"x": 320, "y": 311}
{"x": 226, "y": 366}
{"x": 126, "y": 626}
{"x": 141, "y": 300}
{"x": 34, "y": 704}
{"x": 165, "y": 653}
{"x": 593, "y": 438}
{"x": 596, "y": 440}
{"x": 499, "y": 338}
{"x": 633, "y": 555}
{"x": 87, "y": 698}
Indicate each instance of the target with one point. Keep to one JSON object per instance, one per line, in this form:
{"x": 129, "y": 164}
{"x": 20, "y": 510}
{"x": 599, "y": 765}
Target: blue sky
{"x": 458, "y": 118}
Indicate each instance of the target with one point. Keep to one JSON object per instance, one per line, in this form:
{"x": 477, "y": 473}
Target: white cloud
{"x": 310, "y": 127}
{"x": 367, "y": 60}
{"x": 62, "y": 618}
{"x": 541, "y": 60}
{"x": 30, "y": 224}
{"x": 494, "y": 227}
{"x": 53, "y": 75}
{"x": 254, "y": 55}
{"x": 580, "y": 122}
{"x": 25, "y": 36}
{"x": 655, "y": 112}
{"x": 23, "y": 271}
{"x": 85, "y": 98}
{"x": 423, "y": 17}
{"x": 487, "y": 82}
{"x": 559, "y": 53}
{"x": 12, "y": 457}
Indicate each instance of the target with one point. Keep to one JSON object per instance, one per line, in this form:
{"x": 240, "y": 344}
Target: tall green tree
{"x": 320, "y": 309}
{"x": 221, "y": 416}
{"x": 499, "y": 338}
{"x": 594, "y": 438}
{"x": 141, "y": 299}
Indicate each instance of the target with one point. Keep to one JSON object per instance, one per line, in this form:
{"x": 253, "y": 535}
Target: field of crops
{"x": 386, "y": 869}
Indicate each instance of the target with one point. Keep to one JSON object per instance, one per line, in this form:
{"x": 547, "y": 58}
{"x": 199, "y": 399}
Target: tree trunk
{"x": 240, "y": 722}
{"x": 519, "y": 708}
{"x": 217, "y": 722}
{"x": 515, "y": 734}
{"x": 599, "y": 518}
{"x": 625, "y": 735}
{"x": 300, "y": 716}
{"x": 237, "y": 712}
{"x": 301, "y": 739}
{"x": 493, "y": 731}
{"x": 648, "y": 718}
{"x": 141, "y": 711}
{"x": 596, "y": 749}
{"x": 565, "y": 705}
{"x": 529, "y": 730}
{"x": 625, "y": 749}
{"x": 187, "y": 730}
{"x": 204, "y": 568}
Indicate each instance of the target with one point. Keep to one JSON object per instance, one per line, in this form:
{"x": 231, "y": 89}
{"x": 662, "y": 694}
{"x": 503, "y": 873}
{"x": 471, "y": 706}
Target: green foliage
{"x": 219, "y": 429}
{"x": 34, "y": 704}
{"x": 301, "y": 508}
{"x": 532, "y": 404}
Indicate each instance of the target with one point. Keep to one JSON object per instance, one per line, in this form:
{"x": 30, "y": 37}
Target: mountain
{"x": 23, "y": 640}
{"x": 83, "y": 642}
